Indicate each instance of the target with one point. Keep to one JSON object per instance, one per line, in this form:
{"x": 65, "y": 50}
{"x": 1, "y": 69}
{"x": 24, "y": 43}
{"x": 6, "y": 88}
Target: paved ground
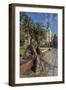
{"x": 52, "y": 58}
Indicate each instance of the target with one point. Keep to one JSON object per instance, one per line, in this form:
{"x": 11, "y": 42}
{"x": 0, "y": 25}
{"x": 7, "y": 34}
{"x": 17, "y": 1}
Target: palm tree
{"x": 26, "y": 25}
{"x": 39, "y": 32}
{"x": 34, "y": 32}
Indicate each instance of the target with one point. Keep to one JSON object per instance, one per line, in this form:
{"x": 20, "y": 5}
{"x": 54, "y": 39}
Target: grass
{"x": 22, "y": 50}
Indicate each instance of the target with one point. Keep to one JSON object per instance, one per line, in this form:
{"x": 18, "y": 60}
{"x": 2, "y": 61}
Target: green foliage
{"x": 55, "y": 41}
{"x": 38, "y": 32}
{"x": 22, "y": 51}
{"x": 28, "y": 29}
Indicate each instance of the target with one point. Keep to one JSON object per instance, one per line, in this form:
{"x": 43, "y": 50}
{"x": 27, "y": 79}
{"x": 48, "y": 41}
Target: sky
{"x": 43, "y": 18}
